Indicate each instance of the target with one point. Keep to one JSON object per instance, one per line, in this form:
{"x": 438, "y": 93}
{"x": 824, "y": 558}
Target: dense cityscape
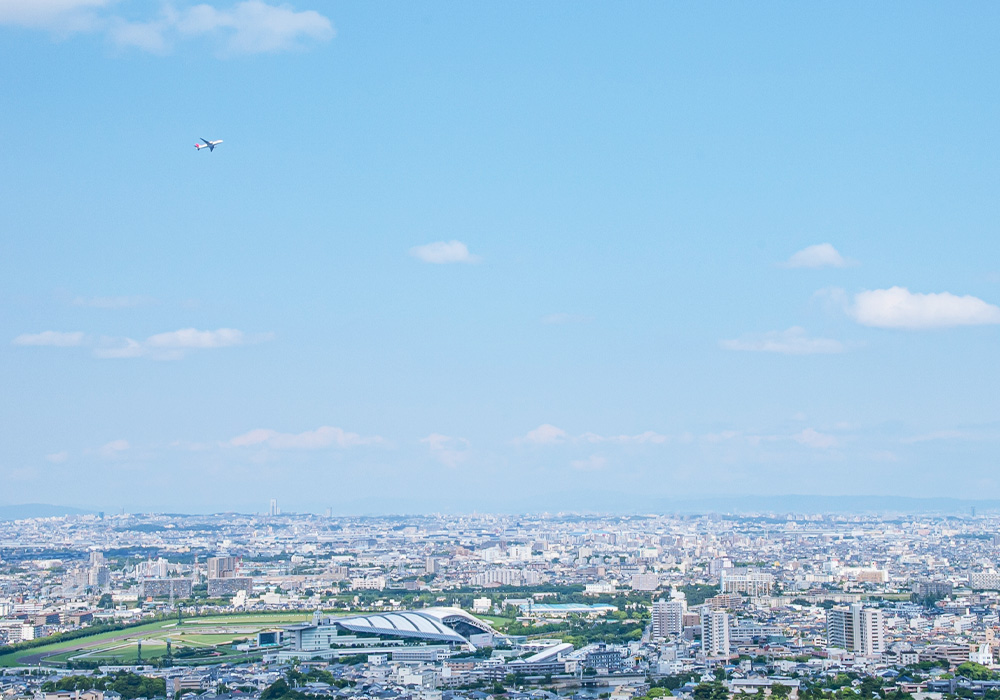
{"x": 532, "y": 606}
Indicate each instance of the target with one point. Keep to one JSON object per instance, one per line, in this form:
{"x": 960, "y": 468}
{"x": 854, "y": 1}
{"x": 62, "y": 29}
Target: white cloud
{"x": 56, "y": 339}
{"x": 450, "y": 451}
{"x": 193, "y": 338}
{"x": 249, "y": 26}
{"x": 898, "y": 307}
{"x": 794, "y": 341}
{"x": 55, "y": 15}
{"x": 57, "y": 457}
{"x": 725, "y": 436}
{"x": 120, "y": 349}
{"x": 443, "y": 252}
{"x": 591, "y": 463}
{"x": 174, "y": 345}
{"x": 813, "y": 438}
{"x": 256, "y": 27}
{"x": 323, "y": 437}
{"x": 110, "y": 302}
{"x": 545, "y": 434}
{"x": 820, "y": 255}
{"x": 151, "y": 37}
{"x": 112, "y": 448}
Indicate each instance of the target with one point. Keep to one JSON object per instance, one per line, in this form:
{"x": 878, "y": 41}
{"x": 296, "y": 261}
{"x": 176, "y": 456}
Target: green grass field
{"x": 193, "y": 633}
{"x": 499, "y": 623}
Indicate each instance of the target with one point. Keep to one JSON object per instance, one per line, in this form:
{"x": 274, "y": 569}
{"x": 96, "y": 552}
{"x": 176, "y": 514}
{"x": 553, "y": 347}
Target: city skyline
{"x": 509, "y": 258}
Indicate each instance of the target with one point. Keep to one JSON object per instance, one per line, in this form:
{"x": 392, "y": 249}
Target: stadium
{"x": 451, "y": 625}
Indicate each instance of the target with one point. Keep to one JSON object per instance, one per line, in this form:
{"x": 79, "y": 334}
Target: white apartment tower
{"x": 856, "y": 628}
{"x": 668, "y": 618}
{"x": 714, "y": 632}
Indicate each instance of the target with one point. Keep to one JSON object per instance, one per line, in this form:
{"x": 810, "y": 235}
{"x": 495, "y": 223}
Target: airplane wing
{"x": 207, "y": 142}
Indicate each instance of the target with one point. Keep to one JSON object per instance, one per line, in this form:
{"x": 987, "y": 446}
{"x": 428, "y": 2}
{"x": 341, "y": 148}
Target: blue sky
{"x": 496, "y": 256}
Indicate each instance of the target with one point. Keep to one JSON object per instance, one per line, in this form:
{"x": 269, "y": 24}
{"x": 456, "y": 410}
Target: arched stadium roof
{"x": 452, "y": 625}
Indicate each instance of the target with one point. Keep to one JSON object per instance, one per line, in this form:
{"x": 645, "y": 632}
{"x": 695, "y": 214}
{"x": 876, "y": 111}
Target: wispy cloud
{"x": 814, "y": 256}
{"x": 174, "y": 345}
{"x": 247, "y": 27}
{"x": 321, "y": 438}
{"x": 444, "y": 252}
{"x": 793, "y": 341}
{"x": 898, "y": 307}
{"x": 813, "y": 438}
{"x": 57, "y": 457}
{"x": 56, "y": 339}
{"x": 113, "y": 448}
{"x": 935, "y": 436}
{"x": 547, "y": 434}
{"x": 54, "y": 15}
{"x": 450, "y": 451}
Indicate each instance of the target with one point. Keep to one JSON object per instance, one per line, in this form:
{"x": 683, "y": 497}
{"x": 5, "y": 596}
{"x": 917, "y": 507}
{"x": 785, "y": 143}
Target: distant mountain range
{"x": 38, "y": 510}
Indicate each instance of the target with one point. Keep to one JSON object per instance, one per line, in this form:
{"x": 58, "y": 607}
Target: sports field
{"x": 195, "y": 640}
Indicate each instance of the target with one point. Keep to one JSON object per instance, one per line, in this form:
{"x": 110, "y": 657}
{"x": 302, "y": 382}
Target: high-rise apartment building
{"x": 99, "y": 577}
{"x": 714, "y": 632}
{"x": 274, "y": 507}
{"x": 153, "y": 569}
{"x": 668, "y": 618}
{"x": 222, "y": 567}
{"x": 746, "y": 580}
{"x": 98, "y": 574}
{"x": 984, "y": 581}
{"x": 856, "y": 628}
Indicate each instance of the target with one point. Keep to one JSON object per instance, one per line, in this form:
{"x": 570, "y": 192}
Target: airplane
{"x": 210, "y": 145}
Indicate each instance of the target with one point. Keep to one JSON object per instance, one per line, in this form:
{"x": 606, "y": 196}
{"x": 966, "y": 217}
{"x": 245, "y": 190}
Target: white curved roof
{"x": 430, "y": 623}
